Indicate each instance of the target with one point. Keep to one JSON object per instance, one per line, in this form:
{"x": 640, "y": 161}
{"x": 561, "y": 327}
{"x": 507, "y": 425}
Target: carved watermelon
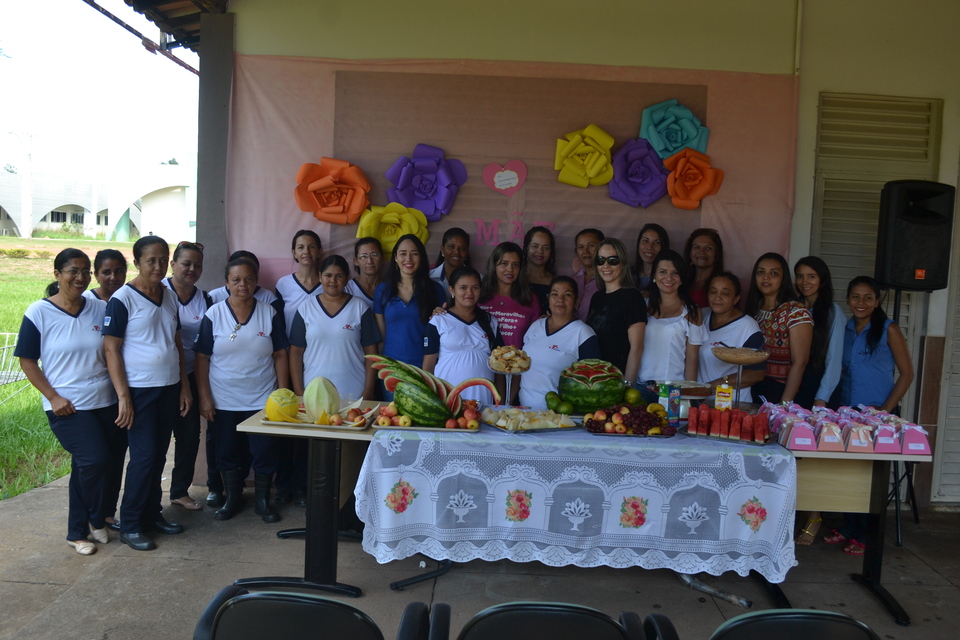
{"x": 590, "y": 385}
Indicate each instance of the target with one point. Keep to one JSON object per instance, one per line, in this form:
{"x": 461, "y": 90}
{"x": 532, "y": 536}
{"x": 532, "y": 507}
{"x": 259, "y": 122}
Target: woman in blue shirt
{"x": 404, "y": 303}
{"x": 874, "y": 349}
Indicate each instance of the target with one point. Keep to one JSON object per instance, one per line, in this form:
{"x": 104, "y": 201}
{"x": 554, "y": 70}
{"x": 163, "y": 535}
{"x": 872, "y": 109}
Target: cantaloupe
{"x": 320, "y": 396}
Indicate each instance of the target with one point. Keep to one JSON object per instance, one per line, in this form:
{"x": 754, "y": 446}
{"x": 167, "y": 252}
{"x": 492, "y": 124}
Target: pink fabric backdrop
{"x": 284, "y": 114}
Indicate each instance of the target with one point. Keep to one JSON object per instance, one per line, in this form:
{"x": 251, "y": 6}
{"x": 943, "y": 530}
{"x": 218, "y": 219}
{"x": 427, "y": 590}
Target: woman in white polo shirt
{"x": 241, "y": 357}
{"x": 63, "y": 332}
{"x": 141, "y": 339}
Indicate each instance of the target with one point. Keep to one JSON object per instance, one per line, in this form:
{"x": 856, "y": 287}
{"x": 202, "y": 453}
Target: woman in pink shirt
{"x": 506, "y": 295}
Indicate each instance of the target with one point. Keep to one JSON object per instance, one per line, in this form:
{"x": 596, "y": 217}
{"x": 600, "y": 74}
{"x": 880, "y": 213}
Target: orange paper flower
{"x": 691, "y": 178}
{"x": 334, "y": 191}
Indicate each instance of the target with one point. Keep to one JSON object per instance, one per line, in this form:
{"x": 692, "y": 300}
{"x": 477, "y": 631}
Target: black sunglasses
{"x": 612, "y": 260}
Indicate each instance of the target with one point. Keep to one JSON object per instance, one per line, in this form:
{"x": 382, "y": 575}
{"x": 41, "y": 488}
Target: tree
{"x": 171, "y": 161}
{"x": 9, "y": 168}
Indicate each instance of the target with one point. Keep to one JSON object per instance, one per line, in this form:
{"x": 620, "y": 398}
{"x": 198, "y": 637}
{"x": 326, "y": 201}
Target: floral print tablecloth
{"x": 569, "y": 497}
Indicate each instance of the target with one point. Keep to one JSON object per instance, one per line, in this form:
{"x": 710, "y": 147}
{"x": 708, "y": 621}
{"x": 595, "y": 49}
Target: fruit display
{"x": 283, "y": 406}
{"x": 734, "y": 424}
{"x": 513, "y": 419}
{"x": 320, "y": 397}
{"x": 427, "y": 400}
{"x": 509, "y": 360}
{"x": 626, "y": 419}
{"x": 589, "y": 384}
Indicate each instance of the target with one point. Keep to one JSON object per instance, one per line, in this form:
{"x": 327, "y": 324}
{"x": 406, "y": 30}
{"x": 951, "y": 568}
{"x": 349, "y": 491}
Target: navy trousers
{"x": 97, "y": 446}
{"x": 234, "y": 447}
{"x": 186, "y": 434}
{"x": 155, "y": 409}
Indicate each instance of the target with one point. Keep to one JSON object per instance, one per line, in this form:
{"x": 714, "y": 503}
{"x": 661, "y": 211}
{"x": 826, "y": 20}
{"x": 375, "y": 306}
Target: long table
{"x": 573, "y": 498}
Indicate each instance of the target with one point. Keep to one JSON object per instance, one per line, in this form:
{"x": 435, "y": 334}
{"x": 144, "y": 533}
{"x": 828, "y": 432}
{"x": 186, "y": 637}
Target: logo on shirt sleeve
{"x": 106, "y": 321}
{"x": 426, "y": 341}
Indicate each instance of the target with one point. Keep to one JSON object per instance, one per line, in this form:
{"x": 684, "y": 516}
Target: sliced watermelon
{"x": 454, "y": 403}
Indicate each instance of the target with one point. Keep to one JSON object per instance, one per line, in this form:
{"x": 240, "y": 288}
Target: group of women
{"x": 171, "y": 352}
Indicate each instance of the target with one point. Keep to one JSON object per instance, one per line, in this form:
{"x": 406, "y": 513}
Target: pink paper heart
{"x": 506, "y": 179}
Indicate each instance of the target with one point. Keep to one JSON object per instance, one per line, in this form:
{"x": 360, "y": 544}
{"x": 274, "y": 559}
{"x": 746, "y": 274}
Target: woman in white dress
{"x": 554, "y": 343}
{"x": 674, "y": 332}
{"x": 725, "y": 325}
{"x": 457, "y": 344}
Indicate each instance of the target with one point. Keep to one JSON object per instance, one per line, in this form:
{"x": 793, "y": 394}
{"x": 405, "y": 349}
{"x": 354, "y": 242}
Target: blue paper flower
{"x": 428, "y": 181}
{"x": 670, "y": 126}
{"x": 639, "y": 177}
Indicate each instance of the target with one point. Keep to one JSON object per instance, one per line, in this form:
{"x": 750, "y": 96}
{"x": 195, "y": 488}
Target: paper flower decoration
{"x": 428, "y": 181}
{"x": 639, "y": 177}
{"x": 583, "y": 158}
{"x": 334, "y": 190}
{"x": 388, "y": 224}
{"x": 691, "y": 178}
{"x": 670, "y": 126}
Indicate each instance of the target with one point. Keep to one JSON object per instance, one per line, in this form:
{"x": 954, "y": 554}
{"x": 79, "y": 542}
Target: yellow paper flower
{"x": 583, "y": 157}
{"x": 388, "y": 224}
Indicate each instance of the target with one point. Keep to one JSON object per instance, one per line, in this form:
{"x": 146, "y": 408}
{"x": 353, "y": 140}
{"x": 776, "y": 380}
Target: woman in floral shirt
{"x": 786, "y": 324}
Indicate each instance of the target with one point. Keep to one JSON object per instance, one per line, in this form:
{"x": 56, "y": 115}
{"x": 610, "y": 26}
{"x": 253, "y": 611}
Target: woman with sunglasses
{"x": 187, "y": 267}
{"x": 703, "y": 255}
{"x": 540, "y": 257}
{"x": 241, "y": 359}
{"x": 674, "y": 326}
{"x": 110, "y": 270}
{"x": 618, "y": 314}
{"x": 367, "y": 262}
{"x": 141, "y": 340}
{"x": 62, "y": 332}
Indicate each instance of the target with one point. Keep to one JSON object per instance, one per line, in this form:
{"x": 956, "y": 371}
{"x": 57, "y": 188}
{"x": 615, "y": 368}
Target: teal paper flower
{"x": 670, "y": 126}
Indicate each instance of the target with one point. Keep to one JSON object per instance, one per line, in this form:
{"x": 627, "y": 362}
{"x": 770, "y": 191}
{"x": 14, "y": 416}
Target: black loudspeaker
{"x": 913, "y": 238}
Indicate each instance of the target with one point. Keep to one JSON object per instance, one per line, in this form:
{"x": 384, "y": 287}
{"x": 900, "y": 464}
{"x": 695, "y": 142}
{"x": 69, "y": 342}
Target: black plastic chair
{"x": 237, "y": 614}
{"x": 528, "y": 620}
{"x": 793, "y": 624}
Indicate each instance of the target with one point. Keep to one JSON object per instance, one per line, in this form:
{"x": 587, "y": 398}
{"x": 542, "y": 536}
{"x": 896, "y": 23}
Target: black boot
{"x": 215, "y": 499}
{"x": 261, "y": 487}
{"x": 233, "y": 481}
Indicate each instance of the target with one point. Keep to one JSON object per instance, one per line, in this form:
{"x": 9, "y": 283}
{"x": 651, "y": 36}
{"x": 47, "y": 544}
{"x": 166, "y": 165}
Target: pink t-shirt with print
{"x": 512, "y": 317}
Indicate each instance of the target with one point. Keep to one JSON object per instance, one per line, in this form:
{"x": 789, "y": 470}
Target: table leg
{"x": 441, "y": 569}
{"x": 323, "y": 523}
{"x": 873, "y": 554}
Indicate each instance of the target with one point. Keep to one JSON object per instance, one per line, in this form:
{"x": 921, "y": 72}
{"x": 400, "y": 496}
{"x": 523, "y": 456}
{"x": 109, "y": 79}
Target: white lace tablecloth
{"x": 569, "y": 497}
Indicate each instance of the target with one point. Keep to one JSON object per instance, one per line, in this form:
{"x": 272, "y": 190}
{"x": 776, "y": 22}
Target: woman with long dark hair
{"x": 404, "y": 303}
{"x": 874, "y": 351}
{"x": 786, "y": 324}
{"x": 141, "y": 326}
{"x": 63, "y": 332}
{"x": 540, "y": 258}
{"x": 294, "y": 288}
{"x": 674, "y": 326}
{"x": 703, "y": 255}
{"x": 651, "y": 240}
{"x": 815, "y": 290}
{"x": 506, "y": 295}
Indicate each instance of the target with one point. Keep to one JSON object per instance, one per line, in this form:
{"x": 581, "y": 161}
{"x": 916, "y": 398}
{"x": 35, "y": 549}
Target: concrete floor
{"x": 49, "y": 591}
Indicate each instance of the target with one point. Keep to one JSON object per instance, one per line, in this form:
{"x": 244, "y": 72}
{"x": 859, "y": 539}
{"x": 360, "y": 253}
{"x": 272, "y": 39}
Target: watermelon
{"x": 692, "y": 425}
{"x": 422, "y": 405}
{"x": 453, "y": 400}
{"x": 590, "y": 385}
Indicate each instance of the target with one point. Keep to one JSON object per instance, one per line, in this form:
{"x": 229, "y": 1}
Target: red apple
{"x": 470, "y": 414}
{"x": 395, "y": 421}
{"x": 587, "y": 417}
{"x": 451, "y": 424}
{"x": 390, "y": 410}
{"x": 609, "y": 427}
{"x": 383, "y": 421}
{"x": 600, "y": 416}
{"x": 462, "y": 422}
{"x": 620, "y": 428}
{"x": 625, "y": 410}
{"x": 353, "y": 415}
{"x": 336, "y": 419}
{"x": 616, "y": 418}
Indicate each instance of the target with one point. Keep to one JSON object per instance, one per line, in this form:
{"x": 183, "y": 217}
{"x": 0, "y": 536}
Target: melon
{"x": 283, "y": 406}
{"x": 320, "y": 396}
{"x": 591, "y": 384}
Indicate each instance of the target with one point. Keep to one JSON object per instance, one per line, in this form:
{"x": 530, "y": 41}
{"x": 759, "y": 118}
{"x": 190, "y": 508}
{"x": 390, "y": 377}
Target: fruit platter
{"x": 515, "y": 419}
{"x": 319, "y": 407}
{"x": 735, "y": 424}
{"x": 587, "y": 385}
{"x": 630, "y": 420}
{"x": 423, "y": 401}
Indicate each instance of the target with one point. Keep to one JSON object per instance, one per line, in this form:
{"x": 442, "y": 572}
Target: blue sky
{"x": 85, "y": 96}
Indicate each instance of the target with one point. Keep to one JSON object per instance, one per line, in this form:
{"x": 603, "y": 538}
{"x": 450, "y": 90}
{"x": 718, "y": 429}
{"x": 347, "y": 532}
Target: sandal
{"x": 835, "y": 537}
{"x": 855, "y": 548}
{"x": 83, "y": 547}
{"x": 187, "y": 503}
{"x": 809, "y": 533}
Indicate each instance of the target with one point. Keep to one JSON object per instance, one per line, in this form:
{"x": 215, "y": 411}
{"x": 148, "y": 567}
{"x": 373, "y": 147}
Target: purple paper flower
{"x": 427, "y": 181}
{"x": 639, "y": 177}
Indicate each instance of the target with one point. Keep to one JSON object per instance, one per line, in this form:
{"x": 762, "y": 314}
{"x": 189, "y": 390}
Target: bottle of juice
{"x": 724, "y": 398}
